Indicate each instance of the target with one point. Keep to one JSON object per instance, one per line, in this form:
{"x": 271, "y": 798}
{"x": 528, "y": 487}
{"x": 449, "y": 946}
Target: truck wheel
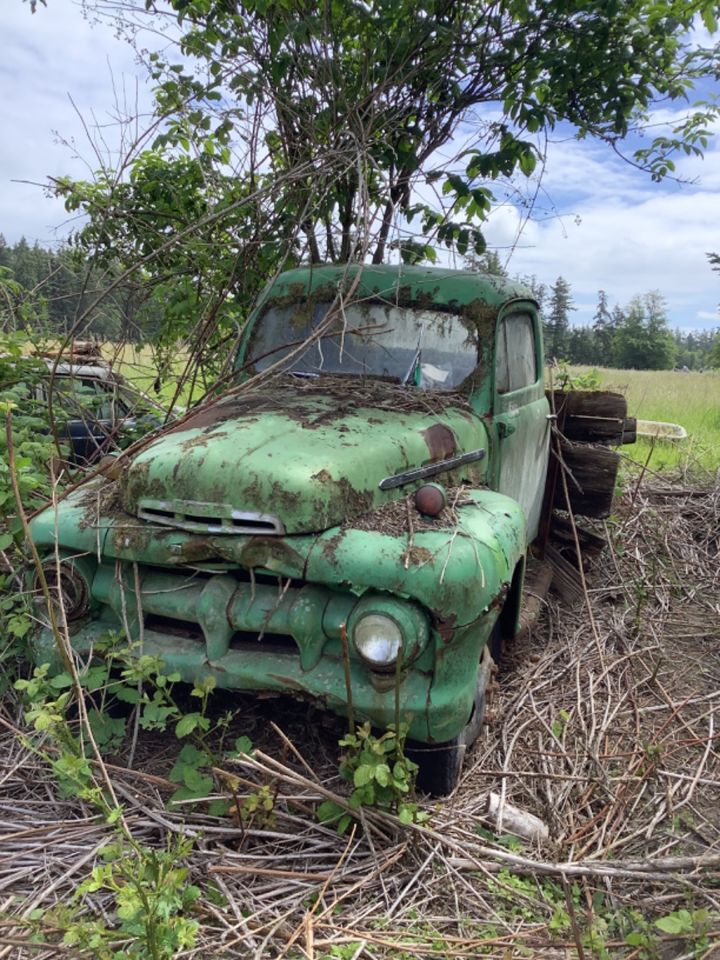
{"x": 440, "y": 766}
{"x": 441, "y": 763}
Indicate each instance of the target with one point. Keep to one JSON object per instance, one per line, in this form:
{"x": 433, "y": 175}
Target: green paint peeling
{"x": 261, "y": 533}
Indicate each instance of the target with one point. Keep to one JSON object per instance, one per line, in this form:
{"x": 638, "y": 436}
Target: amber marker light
{"x": 431, "y": 499}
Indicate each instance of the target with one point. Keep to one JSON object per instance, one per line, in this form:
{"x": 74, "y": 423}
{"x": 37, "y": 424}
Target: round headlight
{"x": 378, "y": 639}
{"x": 68, "y": 587}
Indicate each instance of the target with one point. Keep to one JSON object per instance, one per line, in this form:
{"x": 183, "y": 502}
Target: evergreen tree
{"x": 603, "y": 329}
{"x": 491, "y": 263}
{"x": 49, "y": 289}
{"x": 714, "y": 352}
{"x": 23, "y": 265}
{"x": 618, "y": 316}
{"x": 557, "y": 324}
{"x": 581, "y": 346}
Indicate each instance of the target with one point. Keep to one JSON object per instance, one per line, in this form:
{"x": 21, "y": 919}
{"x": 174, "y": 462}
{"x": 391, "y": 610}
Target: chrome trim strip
{"x": 431, "y": 470}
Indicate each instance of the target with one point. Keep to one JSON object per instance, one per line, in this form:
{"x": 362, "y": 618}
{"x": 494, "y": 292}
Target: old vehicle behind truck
{"x": 351, "y": 520}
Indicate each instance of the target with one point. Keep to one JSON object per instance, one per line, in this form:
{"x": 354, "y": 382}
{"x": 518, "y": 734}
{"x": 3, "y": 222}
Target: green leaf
{"x": 405, "y": 814}
{"x": 190, "y": 754}
{"x": 679, "y": 922}
{"x": 94, "y": 678}
{"x": 243, "y": 745}
{"x": 108, "y": 731}
{"x": 708, "y": 17}
{"x": 382, "y": 774}
{"x": 200, "y": 783}
{"x": 128, "y": 694}
{"x": 636, "y": 939}
{"x": 5, "y": 540}
{"x": 328, "y": 810}
{"x": 187, "y": 724}
{"x": 363, "y": 775}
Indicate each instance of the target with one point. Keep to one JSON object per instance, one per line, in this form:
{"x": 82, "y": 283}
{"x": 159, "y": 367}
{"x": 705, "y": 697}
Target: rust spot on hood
{"x": 440, "y": 441}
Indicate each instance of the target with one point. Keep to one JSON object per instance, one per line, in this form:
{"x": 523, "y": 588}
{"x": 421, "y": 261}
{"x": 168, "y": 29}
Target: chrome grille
{"x": 215, "y": 518}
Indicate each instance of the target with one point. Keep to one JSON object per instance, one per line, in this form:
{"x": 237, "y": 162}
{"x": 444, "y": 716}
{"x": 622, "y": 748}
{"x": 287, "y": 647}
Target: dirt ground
{"x": 602, "y": 723}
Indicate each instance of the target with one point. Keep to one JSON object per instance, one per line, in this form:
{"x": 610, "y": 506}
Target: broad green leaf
{"x": 187, "y": 724}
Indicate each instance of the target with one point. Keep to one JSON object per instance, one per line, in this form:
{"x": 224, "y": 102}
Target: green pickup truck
{"x": 350, "y": 520}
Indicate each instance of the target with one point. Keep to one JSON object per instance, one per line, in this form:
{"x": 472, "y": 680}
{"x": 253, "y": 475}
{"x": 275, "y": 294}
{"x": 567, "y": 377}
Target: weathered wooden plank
{"x": 594, "y": 416}
{"x": 607, "y": 430}
{"x": 566, "y": 578}
{"x": 592, "y": 471}
{"x": 591, "y": 403}
{"x": 563, "y": 533}
{"x": 629, "y": 430}
{"x": 538, "y": 577}
{"x": 594, "y": 429}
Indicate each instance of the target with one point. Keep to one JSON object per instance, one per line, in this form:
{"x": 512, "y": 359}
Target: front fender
{"x": 454, "y": 571}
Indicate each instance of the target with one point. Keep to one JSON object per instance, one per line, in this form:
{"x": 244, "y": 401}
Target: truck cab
{"x": 349, "y": 522}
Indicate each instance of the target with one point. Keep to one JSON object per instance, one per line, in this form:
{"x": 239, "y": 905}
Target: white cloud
{"x": 48, "y": 59}
{"x": 596, "y": 221}
{"x": 617, "y": 230}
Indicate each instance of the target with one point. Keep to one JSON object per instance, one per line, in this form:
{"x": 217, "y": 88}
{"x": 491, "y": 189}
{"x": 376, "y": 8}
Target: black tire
{"x": 496, "y": 643}
{"x": 440, "y": 764}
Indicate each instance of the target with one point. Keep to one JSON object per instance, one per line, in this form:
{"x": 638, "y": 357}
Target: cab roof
{"x": 439, "y": 286}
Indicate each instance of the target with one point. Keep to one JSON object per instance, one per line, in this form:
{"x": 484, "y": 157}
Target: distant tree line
{"x": 54, "y": 291}
{"x": 637, "y": 336}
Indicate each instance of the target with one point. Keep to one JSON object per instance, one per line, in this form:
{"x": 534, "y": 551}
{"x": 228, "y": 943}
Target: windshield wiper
{"x": 413, "y": 373}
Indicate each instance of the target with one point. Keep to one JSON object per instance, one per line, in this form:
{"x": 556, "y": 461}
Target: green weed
{"x": 381, "y": 775}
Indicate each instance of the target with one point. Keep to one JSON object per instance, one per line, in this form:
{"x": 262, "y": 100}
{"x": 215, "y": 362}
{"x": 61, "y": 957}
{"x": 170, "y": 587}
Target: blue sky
{"x": 597, "y": 221}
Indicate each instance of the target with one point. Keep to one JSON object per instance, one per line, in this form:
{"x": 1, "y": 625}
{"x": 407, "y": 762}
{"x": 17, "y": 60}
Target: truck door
{"x": 520, "y": 412}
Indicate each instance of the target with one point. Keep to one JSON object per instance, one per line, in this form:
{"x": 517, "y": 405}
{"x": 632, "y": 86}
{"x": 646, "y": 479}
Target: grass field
{"x": 139, "y": 365}
{"x": 690, "y": 399}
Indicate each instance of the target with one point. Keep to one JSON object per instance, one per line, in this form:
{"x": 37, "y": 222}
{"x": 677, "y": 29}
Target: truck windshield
{"x": 426, "y": 348}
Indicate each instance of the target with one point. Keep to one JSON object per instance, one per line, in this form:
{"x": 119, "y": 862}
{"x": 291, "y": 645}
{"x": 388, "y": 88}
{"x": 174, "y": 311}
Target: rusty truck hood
{"x": 297, "y": 457}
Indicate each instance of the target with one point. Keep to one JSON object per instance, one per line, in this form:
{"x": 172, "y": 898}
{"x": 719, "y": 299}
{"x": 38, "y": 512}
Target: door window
{"x": 515, "y": 356}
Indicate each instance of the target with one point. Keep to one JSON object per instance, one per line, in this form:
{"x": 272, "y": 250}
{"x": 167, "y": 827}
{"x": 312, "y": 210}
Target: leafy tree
{"x": 557, "y": 323}
{"x": 291, "y": 131}
{"x": 643, "y": 341}
{"x": 581, "y": 346}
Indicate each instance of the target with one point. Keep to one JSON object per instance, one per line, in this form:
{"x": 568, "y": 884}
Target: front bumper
{"x": 270, "y": 670}
{"x": 257, "y": 635}
{"x": 214, "y": 605}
